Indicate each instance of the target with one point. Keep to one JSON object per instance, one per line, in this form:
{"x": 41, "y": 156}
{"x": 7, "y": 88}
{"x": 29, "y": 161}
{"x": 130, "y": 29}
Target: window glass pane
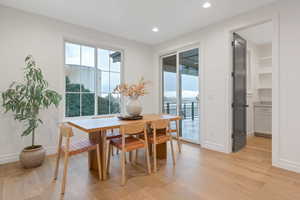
{"x": 87, "y": 56}
{"x": 72, "y": 74}
{"x": 103, "y": 79}
{"x": 87, "y": 104}
{"x": 81, "y": 82}
{"x": 87, "y": 78}
{"x": 115, "y": 61}
{"x": 114, "y": 80}
{"x": 169, "y": 84}
{"x": 103, "y": 104}
{"x": 103, "y": 59}
{"x": 72, "y": 56}
{"x": 115, "y": 103}
{"x": 72, "y": 105}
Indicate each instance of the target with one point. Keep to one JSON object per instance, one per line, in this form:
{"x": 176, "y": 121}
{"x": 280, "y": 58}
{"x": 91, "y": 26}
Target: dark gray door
{"x": 239, "y": 104}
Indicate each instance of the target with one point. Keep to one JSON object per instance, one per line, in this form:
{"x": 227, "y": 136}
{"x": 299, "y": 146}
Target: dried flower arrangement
{"x": 134, "y": 90}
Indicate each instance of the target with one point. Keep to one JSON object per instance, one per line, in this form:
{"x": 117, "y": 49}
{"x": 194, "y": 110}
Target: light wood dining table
{"x": 97, "y": 129}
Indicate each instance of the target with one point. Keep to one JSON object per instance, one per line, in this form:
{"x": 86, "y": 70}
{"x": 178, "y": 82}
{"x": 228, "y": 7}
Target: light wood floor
{"x": 199, "y": 174}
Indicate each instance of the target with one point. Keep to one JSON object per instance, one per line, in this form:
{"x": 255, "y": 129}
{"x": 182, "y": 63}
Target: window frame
{"x": 96, "y": 82}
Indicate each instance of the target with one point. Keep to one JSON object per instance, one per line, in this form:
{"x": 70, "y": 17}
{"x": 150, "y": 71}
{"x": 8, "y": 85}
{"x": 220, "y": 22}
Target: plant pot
{"x": 32, "y": 157}
{"x": 134, "y": 106}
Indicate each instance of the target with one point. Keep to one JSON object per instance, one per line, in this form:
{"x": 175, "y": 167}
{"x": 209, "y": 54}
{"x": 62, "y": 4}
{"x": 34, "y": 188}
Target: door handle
{"x": 246, "y": 105}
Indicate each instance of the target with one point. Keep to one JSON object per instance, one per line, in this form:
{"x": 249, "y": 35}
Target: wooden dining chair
{"x": 112, "y": 133}
{"x": 160, "y": 134}
{"x": 71, "y": 149}
{"x": 128, "y": 143}
{"x": 176, "y": 130}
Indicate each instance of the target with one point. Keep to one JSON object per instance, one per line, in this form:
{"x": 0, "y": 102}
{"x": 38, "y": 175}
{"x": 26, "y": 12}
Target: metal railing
{"x": 189, "y": 110}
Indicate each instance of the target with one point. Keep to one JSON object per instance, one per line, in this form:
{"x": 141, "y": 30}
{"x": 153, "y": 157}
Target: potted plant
{"x": 133, "y": 92}
{"x": 26, "y": 100}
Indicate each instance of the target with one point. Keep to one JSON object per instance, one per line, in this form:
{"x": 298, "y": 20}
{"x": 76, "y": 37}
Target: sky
{"x": 85, "y": 56}
{"x": 189, "y": 85}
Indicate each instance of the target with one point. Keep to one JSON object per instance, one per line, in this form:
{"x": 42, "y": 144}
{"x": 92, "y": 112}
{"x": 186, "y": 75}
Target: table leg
{"x": 104, "y": 154}
{"x": 98, "y": 137}
{"x": 161, "y": 151}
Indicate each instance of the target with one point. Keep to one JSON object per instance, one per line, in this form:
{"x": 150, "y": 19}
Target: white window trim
{"x": 95, "y": 46}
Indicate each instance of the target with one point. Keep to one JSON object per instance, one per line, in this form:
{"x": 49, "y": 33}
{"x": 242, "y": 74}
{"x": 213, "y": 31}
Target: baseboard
{"x": 265, "y": 135}
{"x": 8, "y": 158}
{"x": 250, "y": 134}
{"x": 288, "y": 165}
{"x": 14, "y": 157}
{"x": 214, "y": 146}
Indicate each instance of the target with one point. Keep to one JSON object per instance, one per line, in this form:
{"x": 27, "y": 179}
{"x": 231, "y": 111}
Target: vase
{"x": 134, "y": 106}
{"x": 32, "y": 157}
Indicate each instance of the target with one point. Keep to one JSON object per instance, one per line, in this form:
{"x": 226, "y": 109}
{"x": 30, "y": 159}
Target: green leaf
{"x": 26, "y": 99}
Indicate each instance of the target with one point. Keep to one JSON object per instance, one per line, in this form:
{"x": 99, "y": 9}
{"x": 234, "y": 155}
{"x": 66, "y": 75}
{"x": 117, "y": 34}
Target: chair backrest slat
{"x": 134, "y": 128}
{"x": 160, "y": 124}
{"x": 66, "y": 131}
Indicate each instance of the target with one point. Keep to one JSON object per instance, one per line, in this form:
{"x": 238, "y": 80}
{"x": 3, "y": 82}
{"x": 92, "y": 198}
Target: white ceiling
{"x": 134, "y": 19}
{"x": 260, "y": 34}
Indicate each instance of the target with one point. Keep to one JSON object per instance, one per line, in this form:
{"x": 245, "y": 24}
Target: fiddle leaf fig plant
{"x": 28, "y": 98}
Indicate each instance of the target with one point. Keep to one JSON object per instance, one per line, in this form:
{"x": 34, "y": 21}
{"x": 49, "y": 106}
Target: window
{"x": 91, "y": 74}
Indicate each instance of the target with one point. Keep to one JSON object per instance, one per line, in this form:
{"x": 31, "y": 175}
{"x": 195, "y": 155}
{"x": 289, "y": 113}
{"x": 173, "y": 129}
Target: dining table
{"x": 97, "y": 129}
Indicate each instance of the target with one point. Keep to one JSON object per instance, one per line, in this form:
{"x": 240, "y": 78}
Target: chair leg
{"x": 148, "y": 159}
{"x": 108, "y": 151}
{"x": 58, "y": 158}
{"x": 136, "y": 155}
{"x": 123, "y": 181}
{"x": 177, "y": 136}
{"x": 64, "y": 180}
{"x": 172, "y": 149}
{"x": 112, "y": 152}
{"x": 89, "y": 161}
{"x": 154, "y": 158}
{"x": 99, "y": 162}
{"x": 130, "y": 156}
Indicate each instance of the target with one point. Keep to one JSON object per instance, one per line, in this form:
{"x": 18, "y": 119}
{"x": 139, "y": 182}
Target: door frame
{"x": 176, "y": 52}
{"x": 275, "y": 84}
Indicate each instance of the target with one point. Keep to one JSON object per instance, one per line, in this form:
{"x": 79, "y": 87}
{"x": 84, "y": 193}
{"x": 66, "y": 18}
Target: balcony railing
{"x": 189, "y": 110}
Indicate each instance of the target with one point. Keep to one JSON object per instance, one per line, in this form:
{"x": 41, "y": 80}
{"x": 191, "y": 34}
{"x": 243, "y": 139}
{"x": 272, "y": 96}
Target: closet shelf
{"x": 267, "y": 58}
{"x": 265, "y": 73}
{"x": 265, "y": 88}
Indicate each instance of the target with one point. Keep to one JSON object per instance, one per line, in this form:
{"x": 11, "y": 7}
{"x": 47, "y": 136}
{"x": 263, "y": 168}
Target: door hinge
{"x": 232, "y": 105}
{"x": 232, "y": 74}
{"x": 232, "y": 43}
{"x": 232, "y": 136}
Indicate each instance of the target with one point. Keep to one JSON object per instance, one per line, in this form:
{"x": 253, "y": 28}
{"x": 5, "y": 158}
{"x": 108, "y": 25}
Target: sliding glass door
{"x": 169, "y": 73}
{"x": 180, "y": 88}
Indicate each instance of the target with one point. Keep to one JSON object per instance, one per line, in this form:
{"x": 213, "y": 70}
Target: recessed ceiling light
{"x": 155, "y": 29}
{"x": 206, "y": 4}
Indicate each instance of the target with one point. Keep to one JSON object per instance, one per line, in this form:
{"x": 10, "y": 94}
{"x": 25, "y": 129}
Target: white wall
{"x": 216, "y": 69}
{"x": 22, "y": 34}
{"x": 289, "y": 129}
{"x": 216, "y": 59}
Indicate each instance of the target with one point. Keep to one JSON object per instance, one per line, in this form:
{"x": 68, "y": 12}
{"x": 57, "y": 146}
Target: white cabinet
{"x": 263, "y": 119}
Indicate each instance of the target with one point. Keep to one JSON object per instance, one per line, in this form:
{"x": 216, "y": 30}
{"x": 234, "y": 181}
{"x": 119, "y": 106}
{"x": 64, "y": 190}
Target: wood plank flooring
{"x": 199, "y": 174}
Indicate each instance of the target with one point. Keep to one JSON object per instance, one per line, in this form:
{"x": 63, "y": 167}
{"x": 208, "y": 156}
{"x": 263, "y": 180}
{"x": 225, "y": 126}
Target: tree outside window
{"x": 91, "y": 74}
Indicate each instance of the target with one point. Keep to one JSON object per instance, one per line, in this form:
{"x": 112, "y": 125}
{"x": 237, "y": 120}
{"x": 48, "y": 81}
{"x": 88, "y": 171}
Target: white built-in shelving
{"x": 267, "y": 58}
{"x": 264, "y": 77}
